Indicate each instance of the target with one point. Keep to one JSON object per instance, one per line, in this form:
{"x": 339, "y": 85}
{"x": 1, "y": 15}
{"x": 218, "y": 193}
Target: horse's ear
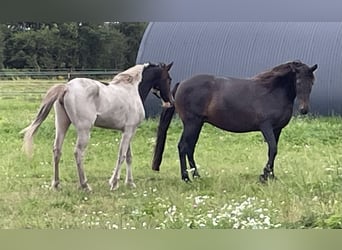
{"x": 293, "y": 68}
{"x": 168, "y": 67}
{"x": 313, "y": 68}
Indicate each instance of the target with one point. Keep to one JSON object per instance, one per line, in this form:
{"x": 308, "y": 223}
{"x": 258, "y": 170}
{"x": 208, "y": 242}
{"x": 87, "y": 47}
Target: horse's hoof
{"x": 186, "y": 179}
{"x": 130, "y": 184}
{"x": 273, "y": 177}
{"x": 155, "y": 168}
{"x": 55, "y": 186}
{"x": 86, "y": 187}
{"x": 263, "y": 178}
{"x": 196, "y": 175}
{"x": 114, "y": 185}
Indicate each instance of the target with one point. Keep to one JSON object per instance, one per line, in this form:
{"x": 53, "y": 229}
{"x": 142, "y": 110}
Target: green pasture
{"x": 307, "y": 194}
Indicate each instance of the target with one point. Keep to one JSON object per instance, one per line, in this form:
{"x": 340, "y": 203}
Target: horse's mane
{"x": 130, "y": 76}
{"x": 270, "y": 75}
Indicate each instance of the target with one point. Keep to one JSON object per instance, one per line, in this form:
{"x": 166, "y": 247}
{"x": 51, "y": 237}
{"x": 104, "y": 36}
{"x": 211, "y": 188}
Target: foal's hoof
{"x": 86, "y": 187}
{"x": 55, "y": 186}
{"x": 114, "y": 185}
{"x": 130, "y": 184}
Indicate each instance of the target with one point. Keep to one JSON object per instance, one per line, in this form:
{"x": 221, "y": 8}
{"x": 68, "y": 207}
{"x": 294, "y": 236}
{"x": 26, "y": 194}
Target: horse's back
{"x": 193, "y": 95}
{"x": 202, "y": 93}
{"x": 89, "y": 102}
{"x": 233, "y": 104}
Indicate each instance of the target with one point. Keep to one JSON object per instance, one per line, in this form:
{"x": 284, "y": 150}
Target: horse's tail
{"x": 164, "y": 123}
{"x": 55, "y": 93}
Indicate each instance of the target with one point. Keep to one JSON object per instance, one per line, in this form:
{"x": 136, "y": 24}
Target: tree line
{"x": 72, "y": 45}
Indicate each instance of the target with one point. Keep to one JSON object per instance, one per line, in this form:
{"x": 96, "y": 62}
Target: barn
{"x": 243, "y": 49}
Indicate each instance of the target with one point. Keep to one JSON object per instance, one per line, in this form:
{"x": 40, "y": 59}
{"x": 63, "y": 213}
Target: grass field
{"x": 307, "y": 194}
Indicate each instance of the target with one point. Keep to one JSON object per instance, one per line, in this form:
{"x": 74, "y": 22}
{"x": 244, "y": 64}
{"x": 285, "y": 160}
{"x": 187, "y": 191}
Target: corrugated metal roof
{"x": 243, "y": 49}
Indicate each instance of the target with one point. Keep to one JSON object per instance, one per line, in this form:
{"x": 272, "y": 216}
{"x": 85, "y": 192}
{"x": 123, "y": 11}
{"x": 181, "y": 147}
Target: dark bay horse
{"x": 261, "y": 103}
{"x": 116, "y": 105}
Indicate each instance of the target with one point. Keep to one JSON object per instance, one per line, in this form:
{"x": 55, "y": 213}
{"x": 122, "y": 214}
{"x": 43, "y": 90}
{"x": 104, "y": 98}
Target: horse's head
{"x": 304, "y": 81}
{"x": 162, "y": 84}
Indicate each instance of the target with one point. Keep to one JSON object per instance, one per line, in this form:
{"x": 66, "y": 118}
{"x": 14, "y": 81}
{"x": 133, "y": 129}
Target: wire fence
{"x": 30, "y": 84}
{"x": 61, "y": 73}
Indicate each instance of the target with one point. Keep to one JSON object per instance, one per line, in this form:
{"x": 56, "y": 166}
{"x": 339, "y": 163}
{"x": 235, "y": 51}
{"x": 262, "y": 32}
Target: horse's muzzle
{"x": 303, "y": 110}
{"x": 166, "y": 105}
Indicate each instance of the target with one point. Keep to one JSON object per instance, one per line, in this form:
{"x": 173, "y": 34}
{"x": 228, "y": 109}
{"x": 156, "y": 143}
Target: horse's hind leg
{"x": 186, "y": 146}
{"x": 195, "y": 132}
{"x": 271, "y": 136}
{"x": 81, "y": 144}
{"x": 129, "y": 176}
{"x": 62, "y": 123}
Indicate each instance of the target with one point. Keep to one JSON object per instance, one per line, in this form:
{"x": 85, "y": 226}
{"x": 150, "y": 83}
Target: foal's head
{"x": 161, "y": 82}
{"x": 304, "y": 81}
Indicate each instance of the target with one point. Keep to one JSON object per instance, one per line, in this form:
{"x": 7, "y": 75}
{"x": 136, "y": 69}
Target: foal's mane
{"x": 269, "y": 76}
{"x": 130, "y": 76}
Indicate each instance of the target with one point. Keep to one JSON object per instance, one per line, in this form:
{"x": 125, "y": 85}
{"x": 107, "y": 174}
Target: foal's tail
{"x": 164, "y": 123}
{"x": 55, "y": 93}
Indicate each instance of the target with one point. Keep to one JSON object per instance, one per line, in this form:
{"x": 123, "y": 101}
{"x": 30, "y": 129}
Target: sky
{"x": 171, "y": 10}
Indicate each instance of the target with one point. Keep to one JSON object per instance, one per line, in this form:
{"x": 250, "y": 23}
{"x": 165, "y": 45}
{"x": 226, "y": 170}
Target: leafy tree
{"x": 113, "y": 47}
{"x": 66, "y": 46}
{"x": 32, "y": 49}
{"x": 69, "y": 45}
{"x": 2, "y": 46}
{"x": 101, "y": 46}
{"x": 134, "y": 33}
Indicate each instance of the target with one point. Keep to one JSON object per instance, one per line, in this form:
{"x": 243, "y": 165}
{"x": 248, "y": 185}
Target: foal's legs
{"x": 271, "y": 136}
{"x": 186, "y": 146}
{"x": 82, "y": 114}
{"x": 129, "y": 176}
{"x": 83, "y": 135}
{"x": 123, "y": 154}
{"x": 62, "y": 123}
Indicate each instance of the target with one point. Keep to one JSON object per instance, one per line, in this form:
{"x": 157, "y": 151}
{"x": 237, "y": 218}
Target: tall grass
{"x": 307, "y": 194}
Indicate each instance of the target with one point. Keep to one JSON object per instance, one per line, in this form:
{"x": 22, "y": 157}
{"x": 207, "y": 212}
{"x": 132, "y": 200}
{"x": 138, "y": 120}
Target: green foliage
{"x": 134, "y": 33}
{"x": 307, "y": 194}
{"x": 2, "y": 45}
{"x": 70, "y": 45}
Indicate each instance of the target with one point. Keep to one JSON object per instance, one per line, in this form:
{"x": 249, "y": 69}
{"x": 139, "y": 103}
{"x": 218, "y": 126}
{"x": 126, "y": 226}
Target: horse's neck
{"x": 291, "y": 90}
{"x": 287, "y": 86}
{"x": 144, "y": 88}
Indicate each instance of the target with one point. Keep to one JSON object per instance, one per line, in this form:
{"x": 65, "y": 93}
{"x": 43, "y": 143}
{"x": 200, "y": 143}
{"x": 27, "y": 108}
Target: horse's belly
{"x": 233, "y": 120}
{"x": 234, "y": 125}
{"x": 110, "y": 123}
{"x": 119, "y": 119}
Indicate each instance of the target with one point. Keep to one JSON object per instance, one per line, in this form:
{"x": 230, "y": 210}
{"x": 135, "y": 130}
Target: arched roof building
{"x": 243, "y": 49}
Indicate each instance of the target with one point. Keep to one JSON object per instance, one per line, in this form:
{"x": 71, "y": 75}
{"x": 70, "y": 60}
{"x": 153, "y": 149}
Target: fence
{"x": 32, "y": 85}
{"x": 64, "y": 73}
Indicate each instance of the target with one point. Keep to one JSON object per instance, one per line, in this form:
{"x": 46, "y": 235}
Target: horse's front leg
{"x": 271, "y": 136}
{"x": 123, "y": 148}
{"x": 186, "y": 146}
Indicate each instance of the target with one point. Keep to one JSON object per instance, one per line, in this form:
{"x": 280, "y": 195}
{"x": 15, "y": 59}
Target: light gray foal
{"x": 86, "y": 103}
